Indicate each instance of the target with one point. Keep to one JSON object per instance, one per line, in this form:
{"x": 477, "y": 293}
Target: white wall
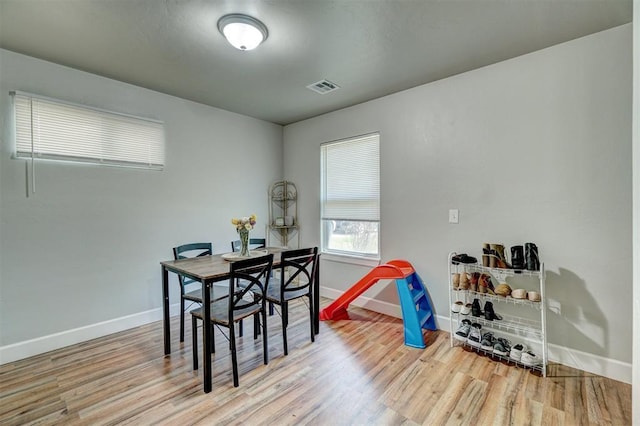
{"x": 85, "y": 248}
{"x": 534, "y": 149}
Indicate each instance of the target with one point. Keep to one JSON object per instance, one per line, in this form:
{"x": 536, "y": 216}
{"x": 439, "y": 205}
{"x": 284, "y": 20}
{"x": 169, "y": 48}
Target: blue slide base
{"x": 417, "y": 311}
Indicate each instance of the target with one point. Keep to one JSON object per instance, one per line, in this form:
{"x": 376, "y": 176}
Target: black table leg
{"x": 165, "y": 307}
{"x": 206, "y": 332}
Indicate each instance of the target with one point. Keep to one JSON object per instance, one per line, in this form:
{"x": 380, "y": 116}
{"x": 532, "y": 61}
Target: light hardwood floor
{"x": 357, "y": 372}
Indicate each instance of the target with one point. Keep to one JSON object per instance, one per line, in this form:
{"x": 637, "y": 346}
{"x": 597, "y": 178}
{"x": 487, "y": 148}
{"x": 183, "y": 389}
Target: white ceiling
{"x": 370, "y": 48}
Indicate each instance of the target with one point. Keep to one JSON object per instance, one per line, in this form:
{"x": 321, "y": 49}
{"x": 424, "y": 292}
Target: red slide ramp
{"x": 393, "y": 270}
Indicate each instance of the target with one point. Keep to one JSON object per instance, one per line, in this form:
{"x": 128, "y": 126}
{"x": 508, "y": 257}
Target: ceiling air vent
{"x": 323, "y": 86}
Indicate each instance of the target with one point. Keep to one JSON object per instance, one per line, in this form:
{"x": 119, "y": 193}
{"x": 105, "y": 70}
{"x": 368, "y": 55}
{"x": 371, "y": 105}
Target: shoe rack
{"x": 523, "y": 321}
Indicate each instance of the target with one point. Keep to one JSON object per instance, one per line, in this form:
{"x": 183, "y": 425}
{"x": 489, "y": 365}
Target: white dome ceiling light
{"x": 242, "y": 31}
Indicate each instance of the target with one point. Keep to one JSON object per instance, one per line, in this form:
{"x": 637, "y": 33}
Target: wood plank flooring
{"x": 358, "y": 372}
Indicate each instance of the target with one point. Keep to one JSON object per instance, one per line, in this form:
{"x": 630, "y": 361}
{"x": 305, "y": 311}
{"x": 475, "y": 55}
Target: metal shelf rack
{"x": 526, "y": 324}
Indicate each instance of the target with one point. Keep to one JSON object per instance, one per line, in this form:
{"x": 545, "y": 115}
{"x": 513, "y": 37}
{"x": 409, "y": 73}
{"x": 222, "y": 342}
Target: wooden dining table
{"x": 208, "y": 270}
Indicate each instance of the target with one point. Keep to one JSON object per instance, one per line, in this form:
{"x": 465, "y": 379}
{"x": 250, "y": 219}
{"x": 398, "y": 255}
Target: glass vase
{"x": 244, "y": 242}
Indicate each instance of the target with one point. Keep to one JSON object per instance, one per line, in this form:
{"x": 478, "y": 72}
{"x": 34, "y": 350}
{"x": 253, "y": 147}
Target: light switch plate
{"x": 453, "y": 216}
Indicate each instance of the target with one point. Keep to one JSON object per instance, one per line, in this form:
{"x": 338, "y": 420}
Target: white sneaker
{"x": 463, "y": 330}
{"x": 530, "y": 359}
{"x": 517, "y": 351}
{"x": 466, "y": 309}
{"x": 457, "y": 307}
{"x": 475, "y": 337}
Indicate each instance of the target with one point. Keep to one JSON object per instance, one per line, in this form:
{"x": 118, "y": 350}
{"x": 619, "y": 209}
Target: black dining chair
{"x": 296, "y": 280}
{"x": 254, "y": 243}
{"x": 194, "y": 296}
{"x": 242, "y": 301}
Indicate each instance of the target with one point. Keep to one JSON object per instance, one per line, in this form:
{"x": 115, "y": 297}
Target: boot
{"x": 464, "y": 281}
{"x": 489, "y": 313}
{"x": 485, "y": 285}
{"x": 486, "y": 252}
{"x": 531, "y": 257}
{"x": 501, "y": 261}
{"x": 474, "y": 281}
{"x": 475, "y": 308}
{"x": 493, "y": 256}
{"x": 517, "y": 257}
{"x": 482, "y": 285}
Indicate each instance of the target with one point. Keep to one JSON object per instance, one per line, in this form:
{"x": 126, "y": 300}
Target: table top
{"x": 210, "y": 268}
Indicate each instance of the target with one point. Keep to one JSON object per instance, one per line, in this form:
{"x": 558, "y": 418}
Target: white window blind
{"x": 352, "y": 179}
{"x": 56, "y": 130}
{"x": 350, "y": 200}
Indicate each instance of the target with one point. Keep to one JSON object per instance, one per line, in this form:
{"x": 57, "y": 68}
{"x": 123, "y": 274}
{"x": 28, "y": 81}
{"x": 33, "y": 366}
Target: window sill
{"x": 353, "y": 260}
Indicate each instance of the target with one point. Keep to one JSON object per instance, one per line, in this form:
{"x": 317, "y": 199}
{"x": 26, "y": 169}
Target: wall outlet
{"x": 453, "y": 216}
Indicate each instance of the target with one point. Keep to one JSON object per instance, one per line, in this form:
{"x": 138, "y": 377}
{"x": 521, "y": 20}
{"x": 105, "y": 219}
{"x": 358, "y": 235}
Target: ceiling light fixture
{"x": 242, "y": 31}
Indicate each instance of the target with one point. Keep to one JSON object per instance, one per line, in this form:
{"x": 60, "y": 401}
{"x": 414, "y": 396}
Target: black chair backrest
{"x": 253, "y": 244}
{"x": 191, "y": 250}
{"x": 254, "y": 274}
{"x": 301, "y": 265}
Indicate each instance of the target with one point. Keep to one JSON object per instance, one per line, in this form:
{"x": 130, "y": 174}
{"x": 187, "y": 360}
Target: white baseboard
{"x": 594, "y": 364}
{"x": 365, "y": 302}
{"x": 40, "y": 345}
{"x": 379, "y": 306}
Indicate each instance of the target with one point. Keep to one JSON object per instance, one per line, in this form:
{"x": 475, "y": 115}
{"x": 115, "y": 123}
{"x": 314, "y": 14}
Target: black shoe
{"x": 475, "y": 308}
{"x": 531, "y": 257}
{"x": 517, "y": 257}
{"x": 463, "y": 258}
{"x": 489, "y": 313}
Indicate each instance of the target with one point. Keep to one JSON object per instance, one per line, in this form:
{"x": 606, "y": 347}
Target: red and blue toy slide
{"x": 417, "y": 311}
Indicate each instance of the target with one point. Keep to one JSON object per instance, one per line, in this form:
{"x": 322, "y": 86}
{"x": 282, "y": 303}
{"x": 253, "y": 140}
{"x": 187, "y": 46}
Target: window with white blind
{"x": 350, "y": 205}
{"x": 56, "y": 130}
